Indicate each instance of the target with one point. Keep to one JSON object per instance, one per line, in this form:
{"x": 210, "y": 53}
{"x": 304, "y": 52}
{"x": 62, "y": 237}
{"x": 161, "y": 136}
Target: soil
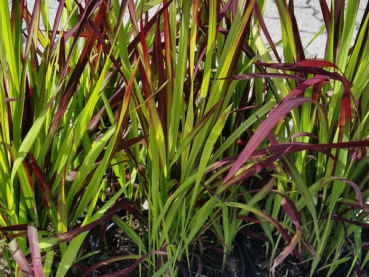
{"x": 116, "y": 244}
{"x": 209, "y": 259}
{"x": 292, "y": 267}
{"x": 119, "y": 244}
{"x": 210, "y": 254}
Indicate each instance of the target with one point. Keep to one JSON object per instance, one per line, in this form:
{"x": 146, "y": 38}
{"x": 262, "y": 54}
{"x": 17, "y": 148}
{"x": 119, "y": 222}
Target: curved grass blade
{"x": 123, "y": 272}
{"x": 287, "y": 251}
{"x": 262, "y": 132}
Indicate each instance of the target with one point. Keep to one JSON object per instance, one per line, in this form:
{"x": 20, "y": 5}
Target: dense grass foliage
{"x": 182, "y": 108}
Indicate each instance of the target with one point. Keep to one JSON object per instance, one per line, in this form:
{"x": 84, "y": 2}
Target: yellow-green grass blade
{"x": 180, "y": 69}
{"x": 243, "y": 127}
{"x": 48, "y": 262}
{"x": 150, "y": 4}
{"x": 130, "y": 233}
{"x": 208, "y": 148}
{"x": 76, "y": 242}
{"x": 88, "y": 165}
{"x": 8, "y": 42}
{"x": 348, "y": 29}
{"x": 190, "y": 116}
{"x": 70, "y": 254}
{"x": 288, "y": 38}
{"x": 365, "y": 261}
{"x": 51, "y": 241}
{"x": 62, "y": 212}
{"x": 164, "y": 267}
{"x": 341, "y": 59}
{"x": 178, "y": 193}
{"x": 188, "y": 138}
{"x": 305, "y": 193}
{"x": 199, "y": 219}
{"x": 94, "y": 185}
{"x": 243, "y": 14}
{"x": 74, "y": 137}
{"x": 355, "y": 59}
{"x": 212, "y": 35}
{"x": 30, "y": 139}
{"x": 27, "y": 189}
{"x": 266, "y": 57}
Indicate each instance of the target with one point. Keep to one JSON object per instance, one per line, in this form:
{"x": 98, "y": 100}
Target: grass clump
{"x": 181, "y": 108}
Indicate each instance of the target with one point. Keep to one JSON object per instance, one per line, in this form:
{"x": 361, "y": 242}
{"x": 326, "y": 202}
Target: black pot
{"x": 94, "y": 239}
{"x": 248, "y": 268}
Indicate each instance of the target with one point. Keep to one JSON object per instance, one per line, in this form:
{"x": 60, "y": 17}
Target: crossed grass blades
{"x": 181, "y": 106}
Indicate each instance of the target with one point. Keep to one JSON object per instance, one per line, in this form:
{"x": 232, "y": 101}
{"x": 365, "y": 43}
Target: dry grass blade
{"x": 287, "y": 251}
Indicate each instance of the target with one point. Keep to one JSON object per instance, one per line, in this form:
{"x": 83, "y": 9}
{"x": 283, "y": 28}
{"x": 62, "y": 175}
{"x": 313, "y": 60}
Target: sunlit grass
{"x": 185, "y": 111}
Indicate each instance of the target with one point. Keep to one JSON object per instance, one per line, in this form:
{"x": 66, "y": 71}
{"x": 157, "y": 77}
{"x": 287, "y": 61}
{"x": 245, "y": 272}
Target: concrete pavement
{"x": 309, "y": 20}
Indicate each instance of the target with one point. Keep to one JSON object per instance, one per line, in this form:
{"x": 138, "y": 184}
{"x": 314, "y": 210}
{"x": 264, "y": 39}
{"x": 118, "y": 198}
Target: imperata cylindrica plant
{"x": 183, "y": 127}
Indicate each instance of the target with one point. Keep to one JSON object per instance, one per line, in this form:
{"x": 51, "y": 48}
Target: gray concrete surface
{"x": 308, "y": 15}
{"x": 309, "y": 19}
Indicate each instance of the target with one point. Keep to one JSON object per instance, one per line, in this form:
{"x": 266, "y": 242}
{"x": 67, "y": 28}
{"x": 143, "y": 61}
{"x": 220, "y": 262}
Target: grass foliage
{"x": 186, "y": 108}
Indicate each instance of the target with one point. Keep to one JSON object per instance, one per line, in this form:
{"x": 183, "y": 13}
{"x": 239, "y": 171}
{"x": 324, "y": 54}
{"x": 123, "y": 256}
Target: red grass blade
{"x": 313, "y": 68}
{"x": 255, "y": 169}
{"x": 255, "y": 235}
{"x": 147, "y": 27}
{"x": 20, "y": 259}
{"x": 162, "y": 97}
{"x": 300, "y": 53}
{"x": 42, "y": 183}
{"x": 56, "y": 24}
{"x": 121, "y": 204}
{"x": 354, "y": 186}
{"x": 114, "y": 100}
{"x": 291, "y": 210}
{"x": 276, "y": 224}
{"x": 7, "y": 99}
{"x": 317, "y": 63}
{"x": 35, "y": 249}
{"x": 338, "y": 17}
{"x": 304, "y": 134}
{"x": 199, "y": 262}
{"x": 261, "y": 21}
{"x": 123, "y": 272}
{"x": 287, "y": 251}
{"x": 34, "y": 20}
{"x": 12, "y": 228}
{"x": 353, "y": 222}
{"x": 224, "y": 11}
{"x": 123, "y": 7}
{"x": 261, "y": 75}
{"x": 263, "y": 131}
{"x": 105, "y": 46}
{"x": 300, "y": 146}
{"x": 303, "y": 86}
{"x": 327, "y": 16}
